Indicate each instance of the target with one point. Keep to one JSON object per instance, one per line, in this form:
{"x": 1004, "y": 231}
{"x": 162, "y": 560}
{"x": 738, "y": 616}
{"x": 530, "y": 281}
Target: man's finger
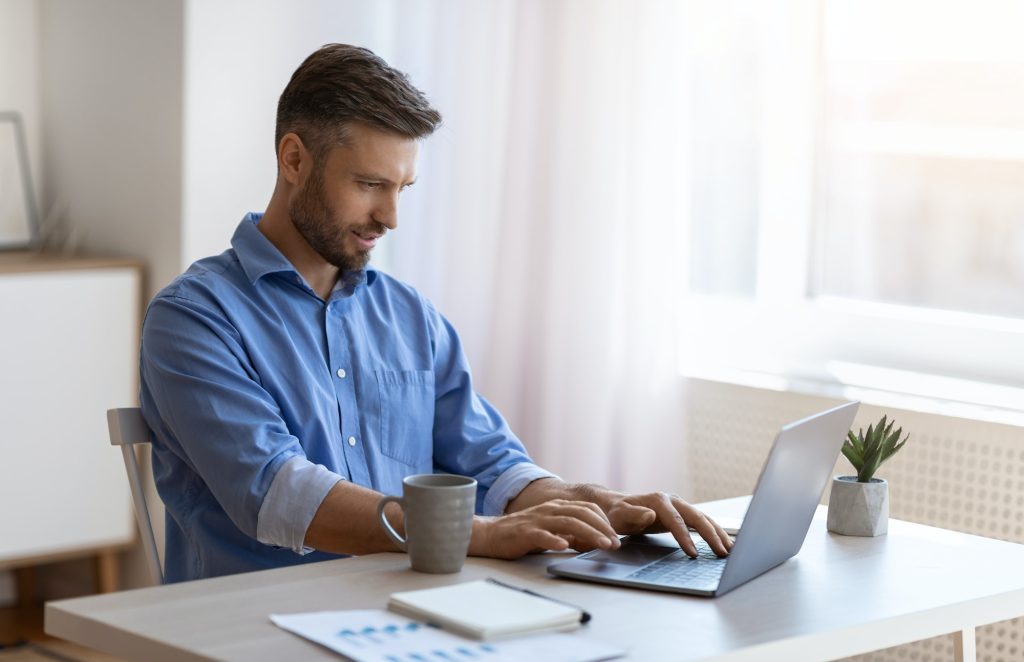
{"x": 673, "y": 521}
{"x": 580, "y": 531}
{"x": 723, "y": 535}
{"x": 632, "y": 518}
{"x": 542, "y": 539}
{"x": 593, "y": 507}
{"x": 709, "y": 530}
{"x": 595, "y": 520}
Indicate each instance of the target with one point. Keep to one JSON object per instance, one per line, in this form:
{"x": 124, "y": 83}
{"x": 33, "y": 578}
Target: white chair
{"x": 127, "y": 428}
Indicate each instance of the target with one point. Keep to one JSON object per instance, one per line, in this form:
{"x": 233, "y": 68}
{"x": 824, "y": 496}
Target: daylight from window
{"x": 857, "y": 196}
{"x": 921, "y": 163}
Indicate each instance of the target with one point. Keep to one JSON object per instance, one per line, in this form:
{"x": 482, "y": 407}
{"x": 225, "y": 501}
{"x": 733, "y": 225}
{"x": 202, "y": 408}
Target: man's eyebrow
{"x": 373, "y": 177}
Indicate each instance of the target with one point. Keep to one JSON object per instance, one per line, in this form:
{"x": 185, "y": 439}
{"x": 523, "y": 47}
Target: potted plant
{"x": 859, "y": 505}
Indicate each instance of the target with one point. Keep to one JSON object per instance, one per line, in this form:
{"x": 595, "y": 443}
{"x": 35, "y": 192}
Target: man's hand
{"x": 657, "y": 512}
{"x": 556, "y": 525}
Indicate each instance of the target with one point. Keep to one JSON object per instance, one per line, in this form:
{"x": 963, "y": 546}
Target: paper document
{"x": 375, "y": 635}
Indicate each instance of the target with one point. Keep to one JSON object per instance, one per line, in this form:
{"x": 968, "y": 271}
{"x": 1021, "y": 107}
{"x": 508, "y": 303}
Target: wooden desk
{"x": 840, "y": 596}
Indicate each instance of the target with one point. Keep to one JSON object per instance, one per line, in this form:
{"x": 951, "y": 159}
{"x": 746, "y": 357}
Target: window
{"x": 922, "y": 156}
{"x": 857, "y": 212}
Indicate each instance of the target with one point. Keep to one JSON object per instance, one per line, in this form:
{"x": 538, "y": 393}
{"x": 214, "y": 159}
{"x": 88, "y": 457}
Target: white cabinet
{"x": 69, "y": 339}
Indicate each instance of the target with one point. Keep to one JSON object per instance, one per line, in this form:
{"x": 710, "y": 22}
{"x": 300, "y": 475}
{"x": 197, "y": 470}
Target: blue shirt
{"x": 261, "y": 396}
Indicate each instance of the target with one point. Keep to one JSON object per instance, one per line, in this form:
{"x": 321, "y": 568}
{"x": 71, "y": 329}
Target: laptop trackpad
{"x": 631, "y": 553}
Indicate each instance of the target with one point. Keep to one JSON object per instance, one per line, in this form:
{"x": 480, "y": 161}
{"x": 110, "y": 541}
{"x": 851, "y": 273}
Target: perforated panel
{"x": 954, "y": 473}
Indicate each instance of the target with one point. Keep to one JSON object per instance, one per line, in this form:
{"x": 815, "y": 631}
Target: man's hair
{"x": 340, "y": 84}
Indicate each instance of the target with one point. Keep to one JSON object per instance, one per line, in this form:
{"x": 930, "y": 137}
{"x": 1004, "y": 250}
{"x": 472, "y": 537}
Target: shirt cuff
{"x": 291, "y": 502}
{"x": 509, "y": 484}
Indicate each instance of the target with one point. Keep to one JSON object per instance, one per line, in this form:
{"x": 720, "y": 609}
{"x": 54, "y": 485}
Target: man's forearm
{"x": 548, "y": 489}
{"x": 346, "y": 522}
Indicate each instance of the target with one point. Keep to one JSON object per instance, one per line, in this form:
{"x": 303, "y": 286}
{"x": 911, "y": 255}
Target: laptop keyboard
{"x": 678, "y": 569}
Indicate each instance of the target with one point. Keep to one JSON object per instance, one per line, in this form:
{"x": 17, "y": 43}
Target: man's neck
{"x": 277, "y": 226}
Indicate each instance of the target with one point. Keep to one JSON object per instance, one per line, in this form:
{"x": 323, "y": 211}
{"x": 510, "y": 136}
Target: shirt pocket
{"x": 407, "y": 416}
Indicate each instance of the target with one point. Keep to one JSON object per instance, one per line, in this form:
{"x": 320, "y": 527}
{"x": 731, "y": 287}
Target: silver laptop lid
{"x": 788, "y": 490}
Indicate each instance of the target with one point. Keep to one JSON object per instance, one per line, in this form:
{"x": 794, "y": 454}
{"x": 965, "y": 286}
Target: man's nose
{"x": 387, "y": 214}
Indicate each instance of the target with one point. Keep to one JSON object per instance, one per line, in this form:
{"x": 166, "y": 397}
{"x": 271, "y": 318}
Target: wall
{"x": 19, "y": 73}
{"x": 112, "y": 106}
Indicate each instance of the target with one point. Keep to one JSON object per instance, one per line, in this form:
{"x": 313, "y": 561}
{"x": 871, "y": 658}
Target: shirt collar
{"x": 259, "y": 257}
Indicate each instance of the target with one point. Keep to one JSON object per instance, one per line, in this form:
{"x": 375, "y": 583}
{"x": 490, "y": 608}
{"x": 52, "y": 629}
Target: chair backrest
{"x": 127, "y": 428}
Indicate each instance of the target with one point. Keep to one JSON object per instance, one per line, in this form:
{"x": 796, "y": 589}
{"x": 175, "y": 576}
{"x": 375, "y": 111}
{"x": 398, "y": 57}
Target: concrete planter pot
{"x": 858, "y": 509}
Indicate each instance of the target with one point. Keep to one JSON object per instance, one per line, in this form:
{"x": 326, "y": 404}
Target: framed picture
{"x": 19, "y": 220}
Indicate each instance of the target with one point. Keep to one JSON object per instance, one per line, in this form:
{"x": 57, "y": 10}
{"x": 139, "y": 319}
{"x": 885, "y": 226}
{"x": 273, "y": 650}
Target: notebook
{"x": 776, "y": 522}
{"x": 484, "y": 610}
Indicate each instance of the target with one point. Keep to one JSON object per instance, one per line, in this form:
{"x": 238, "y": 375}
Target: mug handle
{"x": 388, "y": 529}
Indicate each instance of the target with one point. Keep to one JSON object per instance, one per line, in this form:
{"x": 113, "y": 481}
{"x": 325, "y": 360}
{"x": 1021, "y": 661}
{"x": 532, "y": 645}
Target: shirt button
{"x": 351, "y": 441}
{"x": 341, "y": 373}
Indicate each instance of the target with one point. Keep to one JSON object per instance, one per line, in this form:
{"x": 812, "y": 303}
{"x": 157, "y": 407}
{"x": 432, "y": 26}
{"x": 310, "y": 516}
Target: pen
{"x": 584, "y": 614}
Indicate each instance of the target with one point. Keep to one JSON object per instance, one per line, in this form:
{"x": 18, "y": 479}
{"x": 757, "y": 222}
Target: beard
{"x": 315, "y": 220}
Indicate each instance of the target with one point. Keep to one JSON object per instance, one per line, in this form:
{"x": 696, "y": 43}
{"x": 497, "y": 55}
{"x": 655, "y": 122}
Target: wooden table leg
{"x": 25, "y": 585}
{"x": 107, "y": 572}
{"x": 964, "y": 647}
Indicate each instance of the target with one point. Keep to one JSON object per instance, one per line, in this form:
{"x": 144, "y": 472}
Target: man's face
{"x": 351, "y": 199}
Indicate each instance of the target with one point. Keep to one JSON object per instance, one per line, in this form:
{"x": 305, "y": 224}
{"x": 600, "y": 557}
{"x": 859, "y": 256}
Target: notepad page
{"x": 485, "y": 608}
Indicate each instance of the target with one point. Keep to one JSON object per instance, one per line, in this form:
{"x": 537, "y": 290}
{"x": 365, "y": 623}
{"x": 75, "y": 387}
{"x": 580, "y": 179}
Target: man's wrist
{"x": 599, "y": 495}
{"x": 548, "y": 489}
{"x": 479, "y": 542}
{"x": 536, "y": 492}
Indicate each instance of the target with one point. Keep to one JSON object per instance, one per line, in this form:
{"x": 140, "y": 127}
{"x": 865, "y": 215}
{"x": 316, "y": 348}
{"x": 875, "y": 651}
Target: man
{"x": 289, "y": 384}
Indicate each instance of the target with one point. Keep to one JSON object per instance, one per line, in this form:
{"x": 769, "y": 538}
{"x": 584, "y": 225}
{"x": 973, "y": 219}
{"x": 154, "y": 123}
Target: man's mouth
{"x": 366, "y": 240}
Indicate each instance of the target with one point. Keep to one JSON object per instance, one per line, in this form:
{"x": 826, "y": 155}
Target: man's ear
{"x": 292, "y": 158}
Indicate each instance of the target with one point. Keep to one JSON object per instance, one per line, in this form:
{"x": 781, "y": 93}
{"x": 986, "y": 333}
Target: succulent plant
{"x": 867, "y": 452}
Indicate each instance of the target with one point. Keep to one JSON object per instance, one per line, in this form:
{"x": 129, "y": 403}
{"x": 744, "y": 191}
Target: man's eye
{"x": 370, "y": 186}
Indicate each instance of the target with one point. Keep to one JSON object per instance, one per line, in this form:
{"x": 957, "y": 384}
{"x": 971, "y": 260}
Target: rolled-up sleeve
{"x": 291, "y": 502}
{"x": 208, "y": 407}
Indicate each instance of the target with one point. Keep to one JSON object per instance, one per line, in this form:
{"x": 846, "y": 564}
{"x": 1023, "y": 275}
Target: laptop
{"x": 791, "y": 484}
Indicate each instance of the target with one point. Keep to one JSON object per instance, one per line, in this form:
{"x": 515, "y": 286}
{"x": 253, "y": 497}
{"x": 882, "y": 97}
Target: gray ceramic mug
{"x": 438, "y": 511}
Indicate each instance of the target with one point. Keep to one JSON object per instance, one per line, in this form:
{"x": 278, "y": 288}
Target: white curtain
{"x": 549, "y": 223}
